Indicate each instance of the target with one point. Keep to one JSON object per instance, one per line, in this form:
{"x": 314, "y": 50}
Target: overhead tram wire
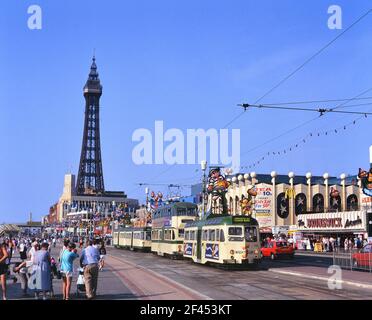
{"x": 314, "y": 101}
{"x": 313, "y": 56}
{"x": 311, "y": 120}
{"x": 290, "y": 75}
{"x": 302, "y": 65}
{"x": 322, "y": 111}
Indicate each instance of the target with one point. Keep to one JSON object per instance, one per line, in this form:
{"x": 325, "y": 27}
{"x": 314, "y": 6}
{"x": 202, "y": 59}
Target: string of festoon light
{"x": 304, "y": 140}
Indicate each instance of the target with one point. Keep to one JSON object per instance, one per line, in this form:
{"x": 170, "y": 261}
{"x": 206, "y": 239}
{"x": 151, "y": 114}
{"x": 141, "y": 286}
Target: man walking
{"x": 89, "y": 261}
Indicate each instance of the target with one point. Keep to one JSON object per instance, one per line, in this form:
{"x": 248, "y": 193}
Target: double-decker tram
{"x": 133, "y": 238}
{"x": 168, "y": 223}
{"x": 224, "y": 240}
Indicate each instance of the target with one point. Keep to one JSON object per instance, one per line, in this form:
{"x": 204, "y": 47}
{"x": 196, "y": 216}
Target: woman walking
{"x": 67, "y": 268}
{"x": 43, "y": 271}
{"x": 3, "y": 267}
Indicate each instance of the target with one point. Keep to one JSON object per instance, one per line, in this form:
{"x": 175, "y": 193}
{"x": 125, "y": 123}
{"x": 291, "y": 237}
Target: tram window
{"x": 251, "y": 234}
{"x": 181, "y": 233}
{"x": 142, "y": 235}
{"x": 173, "y": 235}
{"x": 187, "y": 235}
{"x": 235, "y": 231}
{"x": 192, "y": 235}
{"x": 148, "y": 235}
{"x": 218, "y": 235}
{"x": 205, "y": 235}
{"x": 212, "y": 235}
{"x": 222, "y": 236}
{"x": 160, "y": 235}
{"x": 166, "y": 234}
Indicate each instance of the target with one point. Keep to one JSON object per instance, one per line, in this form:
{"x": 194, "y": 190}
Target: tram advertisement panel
{"x": 188, "y": 249}
{"x": 161, "y": 222}
{"x": 212, "y": 251}
{"x": 263, "y": 205}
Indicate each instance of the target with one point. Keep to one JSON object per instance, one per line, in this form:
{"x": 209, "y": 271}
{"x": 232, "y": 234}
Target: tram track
{"x": 237, "y": 285}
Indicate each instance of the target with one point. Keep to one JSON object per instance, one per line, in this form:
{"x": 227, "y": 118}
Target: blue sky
{"x": 187, "y": 63}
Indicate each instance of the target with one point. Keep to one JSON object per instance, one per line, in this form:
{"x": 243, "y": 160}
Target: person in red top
{"x": 4, "y": 255}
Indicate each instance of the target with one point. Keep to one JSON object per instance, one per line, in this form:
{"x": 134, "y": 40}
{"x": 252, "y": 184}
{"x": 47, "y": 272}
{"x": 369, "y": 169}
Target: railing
{"x": 354, "y": 259}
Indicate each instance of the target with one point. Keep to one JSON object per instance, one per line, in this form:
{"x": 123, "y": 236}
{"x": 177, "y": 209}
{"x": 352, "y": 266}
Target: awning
{"x": 266, "y": 230}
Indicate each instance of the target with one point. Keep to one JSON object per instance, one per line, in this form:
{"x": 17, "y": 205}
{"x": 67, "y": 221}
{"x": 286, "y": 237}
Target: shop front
{"x": 332, "y": 230}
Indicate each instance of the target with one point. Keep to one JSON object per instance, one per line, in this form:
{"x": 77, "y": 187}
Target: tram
{"x": 133, "y": 238}
{"x": 168, "y": 223}
{"x": 224, "y": 240}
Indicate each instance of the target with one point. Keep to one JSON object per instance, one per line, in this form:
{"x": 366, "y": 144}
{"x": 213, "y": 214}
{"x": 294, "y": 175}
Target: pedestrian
{"x": 43, "y": 271}
{"x": 102, "y": 255}
{"x": 351, "y": 244}
{"x": 66, "y": 242}
{"x": 34, "y": 248}
{"x": 54, "y": 242}
{"x": 22, "y": 250}
{"x": 346, "y": 244}
{"x": 67, "y": 262}
{"x": 21, "y": 269}
{"x": 89, "y": 261}
{"x": 3, "y": 267}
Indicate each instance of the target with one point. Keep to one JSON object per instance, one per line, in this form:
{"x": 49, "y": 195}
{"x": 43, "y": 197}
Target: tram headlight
{"x": 256, "y": 251}
{"x": 232, "y": 251}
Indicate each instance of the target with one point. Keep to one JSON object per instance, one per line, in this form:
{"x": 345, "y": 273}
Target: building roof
{"x": 8, "y": 228}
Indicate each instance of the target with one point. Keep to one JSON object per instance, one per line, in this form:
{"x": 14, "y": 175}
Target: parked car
{"x": 363, "y": 258}
{"x": 275, "y": 249}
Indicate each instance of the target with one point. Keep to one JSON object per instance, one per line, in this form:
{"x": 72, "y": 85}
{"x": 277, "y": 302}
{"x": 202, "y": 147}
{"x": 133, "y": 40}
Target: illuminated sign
{"x": 241, "y": 220}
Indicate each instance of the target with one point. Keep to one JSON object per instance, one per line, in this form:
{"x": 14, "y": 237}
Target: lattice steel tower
{"x": 90, "y": 176}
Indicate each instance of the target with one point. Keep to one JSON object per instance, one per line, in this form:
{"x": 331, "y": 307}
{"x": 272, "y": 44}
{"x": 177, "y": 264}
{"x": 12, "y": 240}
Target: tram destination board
{"x": 242, "y": 220}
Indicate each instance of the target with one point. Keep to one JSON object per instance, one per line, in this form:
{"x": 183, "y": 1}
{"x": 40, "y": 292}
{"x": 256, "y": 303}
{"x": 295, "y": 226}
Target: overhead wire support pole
{"x": 322, "y": 111}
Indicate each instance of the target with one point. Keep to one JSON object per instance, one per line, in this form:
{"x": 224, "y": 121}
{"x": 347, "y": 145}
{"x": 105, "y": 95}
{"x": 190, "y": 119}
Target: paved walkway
{"x": 109, "y": 288}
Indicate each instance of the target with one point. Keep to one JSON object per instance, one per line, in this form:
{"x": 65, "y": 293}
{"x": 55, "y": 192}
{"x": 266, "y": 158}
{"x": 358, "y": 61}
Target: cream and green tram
{"x": 168, "y": 224}
{"x": 133, "y": 238}
{"x": 223, "y": 239}
{"x": 115, "y": 238}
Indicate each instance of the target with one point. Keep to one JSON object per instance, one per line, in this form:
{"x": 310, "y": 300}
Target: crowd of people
{"x": 330, "y": 244}
{"x": 37, "y": 267}
{"x": 322, "y": 244}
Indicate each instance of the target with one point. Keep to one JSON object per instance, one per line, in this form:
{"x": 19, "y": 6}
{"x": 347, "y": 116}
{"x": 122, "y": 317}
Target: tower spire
{"x": 90, "y": 176}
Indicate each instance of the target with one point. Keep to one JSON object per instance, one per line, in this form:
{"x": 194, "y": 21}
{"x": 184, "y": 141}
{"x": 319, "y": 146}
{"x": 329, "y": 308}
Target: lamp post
{"x": 343, "y": 195}
{"x": 309, "y": 193}
{"x": 326, "y": 202}
{"x": 273, "y": 199}
{"x": 253, "y": 176}
{"x": 203, "y": 165}
{"x": 291, "y": 202}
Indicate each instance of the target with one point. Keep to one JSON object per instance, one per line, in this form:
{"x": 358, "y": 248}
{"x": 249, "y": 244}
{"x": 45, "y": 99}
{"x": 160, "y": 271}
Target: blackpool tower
{"x": 90, "y": 176}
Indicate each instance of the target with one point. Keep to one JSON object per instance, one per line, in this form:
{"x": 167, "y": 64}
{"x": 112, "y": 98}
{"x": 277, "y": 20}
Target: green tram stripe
{"x": 168, "y": 241}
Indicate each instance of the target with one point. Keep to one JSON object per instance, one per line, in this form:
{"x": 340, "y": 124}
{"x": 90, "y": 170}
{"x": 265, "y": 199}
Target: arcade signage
{"x": 344, "y": 220}
{"x": 324, "y": 223}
